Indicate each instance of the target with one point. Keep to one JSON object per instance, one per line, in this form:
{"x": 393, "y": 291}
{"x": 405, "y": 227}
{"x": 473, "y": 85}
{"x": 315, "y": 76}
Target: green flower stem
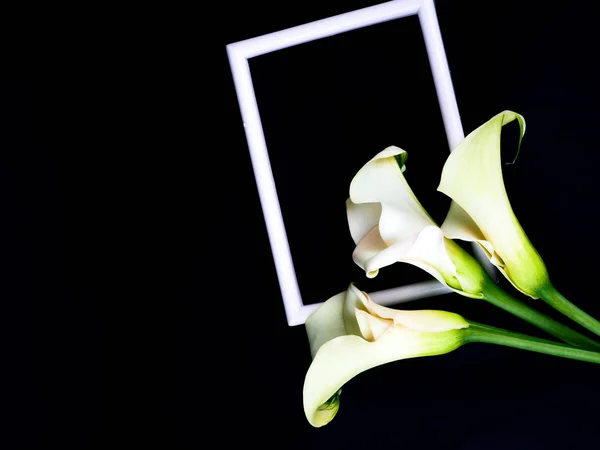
{"x": 491, "y": 335}
{"x": 496, "y": 296}
{"x": 555, "y": 299}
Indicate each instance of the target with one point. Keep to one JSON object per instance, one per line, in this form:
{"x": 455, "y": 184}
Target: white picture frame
{"x": 240, "y": 52}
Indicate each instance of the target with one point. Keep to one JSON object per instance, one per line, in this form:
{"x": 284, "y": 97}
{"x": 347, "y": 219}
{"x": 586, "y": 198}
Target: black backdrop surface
{"x": 97, "y": 265}
{"x": 134, "y": 248}
{"x": 329, "y": 106}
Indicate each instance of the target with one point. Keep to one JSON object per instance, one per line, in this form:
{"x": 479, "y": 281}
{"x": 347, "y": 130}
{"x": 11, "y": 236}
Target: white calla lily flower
{"x": 388, "y": 225}
{"x": 481, "y": 211}
{"x": 350, "y": 334}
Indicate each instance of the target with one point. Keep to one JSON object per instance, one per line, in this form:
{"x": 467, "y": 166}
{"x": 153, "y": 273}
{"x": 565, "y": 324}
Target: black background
{"x": 329, "y": 106}
{"x": 98, "y": 132}
{"x": 140, "y": 304}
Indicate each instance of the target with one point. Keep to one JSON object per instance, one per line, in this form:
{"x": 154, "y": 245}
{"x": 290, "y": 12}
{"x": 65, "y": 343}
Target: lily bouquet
{"x": 350, "y": 333}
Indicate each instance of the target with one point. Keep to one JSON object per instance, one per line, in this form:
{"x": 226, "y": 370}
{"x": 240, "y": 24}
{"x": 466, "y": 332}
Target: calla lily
{"x": 481, "y": 211}
{"x": 350, "y": 333}
{"x": 389, "y": 225}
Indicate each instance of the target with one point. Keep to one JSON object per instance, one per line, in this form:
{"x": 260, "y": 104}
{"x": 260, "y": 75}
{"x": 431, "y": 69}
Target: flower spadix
{"x": 388, "y": 225}
{"x": 481, "y": 212}
{"x": 349, "y": 334}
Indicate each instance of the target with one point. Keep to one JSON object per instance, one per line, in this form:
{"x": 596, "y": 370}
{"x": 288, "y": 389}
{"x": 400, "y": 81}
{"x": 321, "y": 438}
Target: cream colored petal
{"x": 429, "y": 247}
{"x": 426, "y": 250}
{"x": 356, "y": 300}
{"x": 459, "y": 225}
{"x": 381, "y": 181}
{"x": 326, "y": 323}
{"x": 368, "y": 247}
{"x": 342, "y": 358}
{"x": 372, "y": 327}
{"x": 421, "y": 320}
{"x": 362, "y": 218}
{"x": 472, "y": 177}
